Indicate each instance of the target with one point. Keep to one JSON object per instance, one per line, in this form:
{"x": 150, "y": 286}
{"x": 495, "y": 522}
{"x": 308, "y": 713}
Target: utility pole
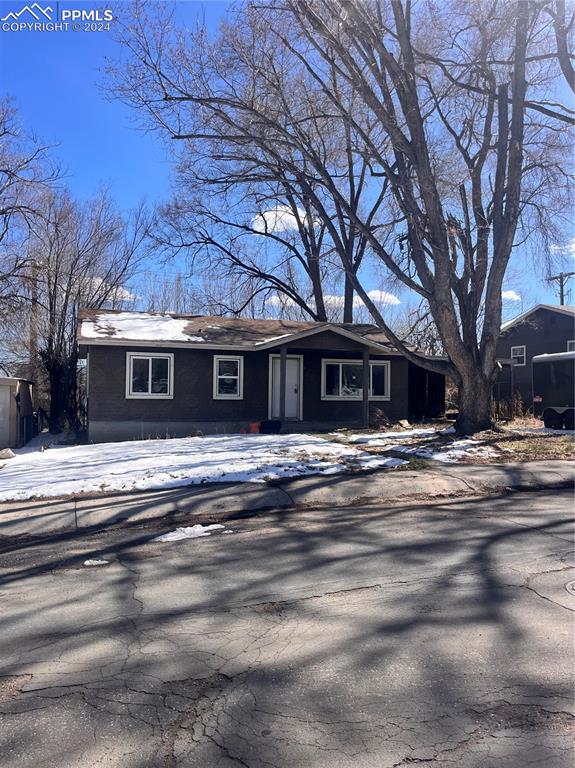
{"x": 562, "y": 277}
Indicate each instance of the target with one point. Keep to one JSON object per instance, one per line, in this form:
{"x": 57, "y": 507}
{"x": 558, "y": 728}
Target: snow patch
{"x": 95, "y": 562}
{"x": 172, "y": 463}
{"x": 449, "y": 454}
{"x": 190, "y": 532}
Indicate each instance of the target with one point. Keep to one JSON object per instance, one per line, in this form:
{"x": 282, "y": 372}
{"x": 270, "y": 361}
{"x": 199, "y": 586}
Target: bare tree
{"x": 25, "y": 173}
{"x": 80, "y": 256}
{"x": 231, "y": 186}
{"x": 445, "y": 108}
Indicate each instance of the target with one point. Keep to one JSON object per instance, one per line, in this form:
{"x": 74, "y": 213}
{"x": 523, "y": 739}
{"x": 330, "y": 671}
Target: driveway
{"x": 439, "y": 634}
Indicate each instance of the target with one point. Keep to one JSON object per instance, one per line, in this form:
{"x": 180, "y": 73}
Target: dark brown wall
{"x": 193, "y": 388}
{"x": 314, "y": 408}
{"x": 543, "y": 332}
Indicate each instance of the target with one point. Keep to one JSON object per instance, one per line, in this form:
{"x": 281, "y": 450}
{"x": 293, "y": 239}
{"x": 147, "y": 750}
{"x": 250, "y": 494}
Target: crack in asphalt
{"x": 231, "y": 710}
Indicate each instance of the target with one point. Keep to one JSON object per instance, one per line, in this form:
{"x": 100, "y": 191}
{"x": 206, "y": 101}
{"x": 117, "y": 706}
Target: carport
{"x": 16, "y": 412}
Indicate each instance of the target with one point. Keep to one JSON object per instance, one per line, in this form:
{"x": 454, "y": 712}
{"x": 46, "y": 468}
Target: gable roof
{"x": 560, "y": 309}
{"x": 103, "y": 327}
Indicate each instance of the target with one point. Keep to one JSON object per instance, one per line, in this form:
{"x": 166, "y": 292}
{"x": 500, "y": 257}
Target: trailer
{"x": 554, "y": 389}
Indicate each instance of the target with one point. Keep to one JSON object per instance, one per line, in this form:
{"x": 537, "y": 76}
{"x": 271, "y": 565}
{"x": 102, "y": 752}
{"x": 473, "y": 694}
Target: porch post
{"x": 283, "y": 366}
{"x": 365, "y": 402}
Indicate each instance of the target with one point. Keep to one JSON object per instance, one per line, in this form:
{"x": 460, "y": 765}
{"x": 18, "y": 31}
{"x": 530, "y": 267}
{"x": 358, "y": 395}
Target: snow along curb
{"x": 223, "y": 501}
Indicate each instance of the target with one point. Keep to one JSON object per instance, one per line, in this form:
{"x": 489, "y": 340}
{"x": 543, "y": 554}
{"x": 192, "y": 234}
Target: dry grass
{"x": 520, "y": 440}
{"x": 529, "y": 447}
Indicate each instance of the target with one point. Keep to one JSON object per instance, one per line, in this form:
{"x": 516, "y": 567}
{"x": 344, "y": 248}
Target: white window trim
{"x": 356, "y": 398}
{"x": 571, "y": 345}
{"x": 524, "y": 348}
{"x": 236, "y": 358}
{"x": 149, "y": 395}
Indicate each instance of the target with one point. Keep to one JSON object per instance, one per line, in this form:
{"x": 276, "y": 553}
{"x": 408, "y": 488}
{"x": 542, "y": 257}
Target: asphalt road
{"x": 438, "y": 634}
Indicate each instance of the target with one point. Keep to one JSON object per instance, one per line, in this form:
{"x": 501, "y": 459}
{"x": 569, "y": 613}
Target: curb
{"x": 226, "y": 501}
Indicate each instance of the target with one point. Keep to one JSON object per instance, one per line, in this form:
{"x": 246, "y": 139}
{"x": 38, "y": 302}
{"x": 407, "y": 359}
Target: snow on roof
{"x": 136, "y": 326}
{"x": 108, "y": 326}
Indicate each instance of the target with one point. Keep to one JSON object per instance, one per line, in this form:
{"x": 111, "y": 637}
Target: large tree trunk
{"x": 475, "y": 393}
{"x": 57, "y": 379}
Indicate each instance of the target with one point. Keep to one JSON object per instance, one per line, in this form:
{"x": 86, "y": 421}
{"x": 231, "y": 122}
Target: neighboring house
{"x": 544, "y": 329}
{"x": 16, "y": 412}
{"x": 171, "y": 375}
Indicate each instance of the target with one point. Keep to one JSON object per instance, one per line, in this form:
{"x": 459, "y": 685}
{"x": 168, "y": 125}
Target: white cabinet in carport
{"x": 4, "y": 415}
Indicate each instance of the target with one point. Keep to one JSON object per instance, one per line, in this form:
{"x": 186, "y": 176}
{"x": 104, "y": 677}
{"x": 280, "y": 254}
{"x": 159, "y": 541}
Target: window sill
{"x": 372, "y": 398}
{"x": 227, "y": 397}
{"x": 143, "y": 396}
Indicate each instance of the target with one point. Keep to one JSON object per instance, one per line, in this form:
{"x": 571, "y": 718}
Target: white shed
{"x": 16, "y": 412}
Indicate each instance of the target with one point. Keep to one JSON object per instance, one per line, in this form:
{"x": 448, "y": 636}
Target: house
{"x": 544, "y": 329}
{"x": 16, "y": 412}
{"x": 173, "y": 374}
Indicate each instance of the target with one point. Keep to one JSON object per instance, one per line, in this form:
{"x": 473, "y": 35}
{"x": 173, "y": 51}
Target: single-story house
{"x": 16, "y": 412}
{"x": 172, "y": 375}
{"x": 544, "y": 329}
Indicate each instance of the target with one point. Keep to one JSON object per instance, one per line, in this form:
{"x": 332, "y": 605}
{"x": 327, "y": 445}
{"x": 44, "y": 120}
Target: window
{"x": 571, "y": 346}
{"x": 518, "y": 355}
{"x": 228, "y": 377}
{"x": 343, "y": 380}
{"x": 149, "y": 375}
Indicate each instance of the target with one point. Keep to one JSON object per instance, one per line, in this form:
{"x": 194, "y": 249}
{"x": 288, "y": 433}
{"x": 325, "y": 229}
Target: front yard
{"x": 143, "y": 465}
{"x": 520, "y": 440}
{"x": 45, "y": 469}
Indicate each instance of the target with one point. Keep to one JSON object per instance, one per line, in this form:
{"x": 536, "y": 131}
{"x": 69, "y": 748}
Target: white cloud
{"x": 510, "y": 296}
{"x": 379, "y": 297}
{"x": 565, "y": 250}
{"x": 279, "y": 300}
{"x": 336, "y": 301}
{"x": 118, "y": 293}
{"x": 278, "y": 219}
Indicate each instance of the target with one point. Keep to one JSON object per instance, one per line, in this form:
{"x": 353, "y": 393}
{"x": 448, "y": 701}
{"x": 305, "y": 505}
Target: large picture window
{"x": 228, "y": 377}
{"x": 343, "y": 380}
{"x": 149, "y": 375}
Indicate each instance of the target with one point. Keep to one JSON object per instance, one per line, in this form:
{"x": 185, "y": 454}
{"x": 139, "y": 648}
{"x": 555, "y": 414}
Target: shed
{"x": 16, "y": 412}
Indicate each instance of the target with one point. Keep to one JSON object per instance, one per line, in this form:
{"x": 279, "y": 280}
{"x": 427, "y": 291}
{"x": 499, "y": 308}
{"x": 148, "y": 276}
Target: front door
{"x": 293, "y": 387}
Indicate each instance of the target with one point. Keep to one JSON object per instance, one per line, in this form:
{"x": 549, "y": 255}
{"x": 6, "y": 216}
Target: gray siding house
{"x": 170, "y": 375}
{"x": 544, "y": 329}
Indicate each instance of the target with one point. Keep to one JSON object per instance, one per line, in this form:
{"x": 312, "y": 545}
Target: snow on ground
{"x": 190, "y": 532}
{"x": 380, "y": 438}
{"x": 95, "y": 563}
{"x": 150, "y": 464}
{"x": 449, "y": 454}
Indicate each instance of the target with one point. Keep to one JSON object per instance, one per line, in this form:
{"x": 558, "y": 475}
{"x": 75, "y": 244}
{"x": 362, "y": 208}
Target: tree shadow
{"x": 389, "y": 636}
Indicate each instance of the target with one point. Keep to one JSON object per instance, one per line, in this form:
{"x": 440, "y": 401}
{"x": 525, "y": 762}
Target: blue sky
{"x": 58, "y": 85}
{"x": 57, "y": 82}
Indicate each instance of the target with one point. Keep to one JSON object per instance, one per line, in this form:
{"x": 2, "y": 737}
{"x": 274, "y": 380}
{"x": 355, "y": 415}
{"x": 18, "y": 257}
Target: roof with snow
{"x": 113, "y": 327}
{"x": 560, "y": 309}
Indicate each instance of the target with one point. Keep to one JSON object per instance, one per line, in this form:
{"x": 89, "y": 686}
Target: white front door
{"x": 293, "y": 387}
